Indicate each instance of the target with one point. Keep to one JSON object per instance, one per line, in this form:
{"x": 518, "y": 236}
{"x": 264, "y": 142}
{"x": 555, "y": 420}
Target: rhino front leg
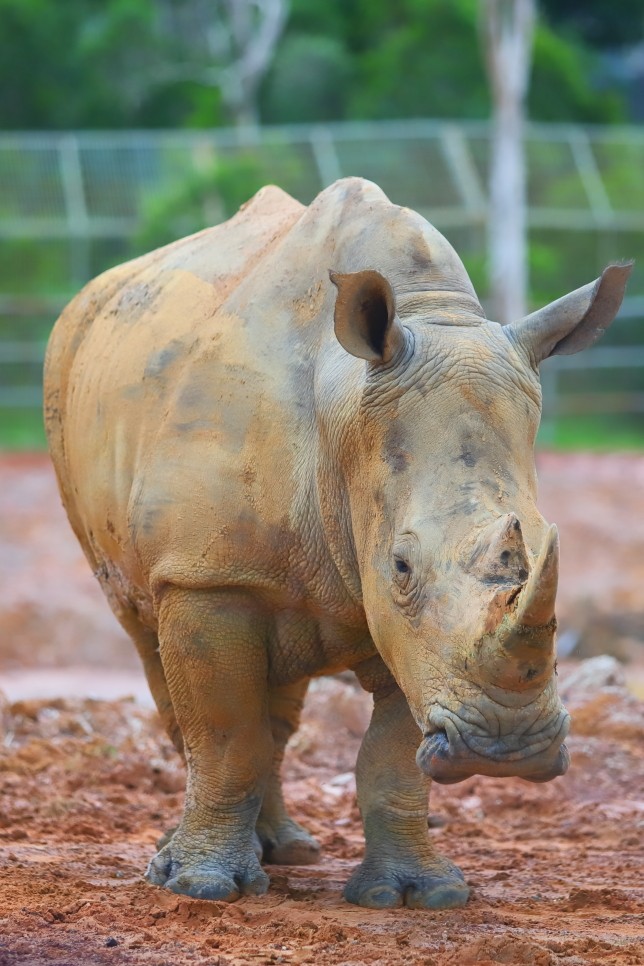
{"x": 212, "y": 647}
{"x": 284, "y": 841}
{"x": 401, "y": 866}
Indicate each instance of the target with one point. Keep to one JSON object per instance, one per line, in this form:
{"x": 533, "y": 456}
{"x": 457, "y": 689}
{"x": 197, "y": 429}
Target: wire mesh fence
{"x": 73, "y": 204}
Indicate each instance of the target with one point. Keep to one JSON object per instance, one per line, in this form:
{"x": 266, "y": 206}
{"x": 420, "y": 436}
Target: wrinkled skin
{"x": 276, "y": 475}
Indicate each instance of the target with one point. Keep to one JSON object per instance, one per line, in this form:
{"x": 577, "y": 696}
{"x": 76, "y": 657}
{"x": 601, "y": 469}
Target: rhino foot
{"x": 386, "y": 884}
{"x": 223, "y": 877}
{"x": 163, "y": 840}
{"x": 287, "y": 843}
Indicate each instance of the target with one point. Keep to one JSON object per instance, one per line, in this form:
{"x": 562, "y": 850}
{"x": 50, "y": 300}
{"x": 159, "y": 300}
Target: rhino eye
{"x": 402, "y": 573}
{"x": 404, "y": 561}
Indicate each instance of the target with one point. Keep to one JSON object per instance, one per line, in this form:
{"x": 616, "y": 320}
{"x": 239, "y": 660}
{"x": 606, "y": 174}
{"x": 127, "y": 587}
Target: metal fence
{"x": 71, "y": 204}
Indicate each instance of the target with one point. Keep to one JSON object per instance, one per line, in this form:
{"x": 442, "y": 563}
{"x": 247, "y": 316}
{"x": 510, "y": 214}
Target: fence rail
{"x": 90, "y": 184}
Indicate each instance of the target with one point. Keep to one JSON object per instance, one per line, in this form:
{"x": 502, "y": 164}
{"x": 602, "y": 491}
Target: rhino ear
{"x": 575, "y": 321}
{"x": 366, "y": 324}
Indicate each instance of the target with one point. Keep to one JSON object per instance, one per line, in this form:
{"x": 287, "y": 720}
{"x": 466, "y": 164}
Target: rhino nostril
{"x": 437, "y": 743}
{"x": 435, "y": 757}
{"x": 505, "y": 557}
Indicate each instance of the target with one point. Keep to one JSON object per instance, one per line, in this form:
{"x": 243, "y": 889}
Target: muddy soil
{"x": 88, "y": 784}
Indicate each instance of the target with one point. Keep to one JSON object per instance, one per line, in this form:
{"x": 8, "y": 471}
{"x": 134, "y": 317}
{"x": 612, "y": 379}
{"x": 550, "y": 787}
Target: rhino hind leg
{"x": 283, "y": 840}
{"x": 212, "y": 647}
{"x": 401, "y": 866}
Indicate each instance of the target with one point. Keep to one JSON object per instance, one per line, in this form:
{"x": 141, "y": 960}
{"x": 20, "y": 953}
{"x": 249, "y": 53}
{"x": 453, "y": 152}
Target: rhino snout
{"x": 451, "y": 751}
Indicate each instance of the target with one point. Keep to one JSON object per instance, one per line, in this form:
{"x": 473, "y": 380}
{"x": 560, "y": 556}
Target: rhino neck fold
{"x": 440, "y": 307}
{"x": 335, "y": 515}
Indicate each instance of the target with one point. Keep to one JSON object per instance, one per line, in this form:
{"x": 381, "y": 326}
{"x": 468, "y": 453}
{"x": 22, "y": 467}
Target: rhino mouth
{"x": 450, "y": 754}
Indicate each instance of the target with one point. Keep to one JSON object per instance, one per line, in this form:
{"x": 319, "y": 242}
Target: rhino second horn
{"x": 500, "y": 553}
{"x": 536, "y": 605}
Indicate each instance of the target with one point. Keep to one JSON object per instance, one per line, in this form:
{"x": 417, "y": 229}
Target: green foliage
{"x": 41, "y": 80}
{"x": 415, "y": 58}
{"x": 561, "y": 89}
{"x": 205, "y": 198}
{"x": 21, "y": 430}
{"x": 427, "y": 64}
{"x": 211, "y": 195}
{"x": 110, "y": 64}
{"x": 28, "y": 267}
{"x": 623, "y": 174}
{"x": 418, "y": 58}
{"x": 310, "y": 78}
{"x": 600, "y": 434}
{"x": 81, "y": 64}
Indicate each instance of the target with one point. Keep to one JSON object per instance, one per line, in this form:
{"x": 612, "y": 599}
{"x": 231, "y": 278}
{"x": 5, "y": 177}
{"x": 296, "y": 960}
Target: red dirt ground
{"x": 88, "y": 784}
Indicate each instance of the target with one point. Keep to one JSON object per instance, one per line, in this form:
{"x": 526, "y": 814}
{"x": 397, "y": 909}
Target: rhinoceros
{"x": 278, "y": 473}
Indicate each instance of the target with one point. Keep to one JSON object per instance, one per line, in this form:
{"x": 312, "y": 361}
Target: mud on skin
{"x": 430, "y": 572}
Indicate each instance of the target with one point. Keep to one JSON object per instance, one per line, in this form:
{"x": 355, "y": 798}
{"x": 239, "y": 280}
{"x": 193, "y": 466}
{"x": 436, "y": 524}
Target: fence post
{"x": 325, "y": 156}
{"x": 75, "y": 207}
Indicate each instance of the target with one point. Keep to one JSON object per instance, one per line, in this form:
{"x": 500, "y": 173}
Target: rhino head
{"x": 457, "y": 567}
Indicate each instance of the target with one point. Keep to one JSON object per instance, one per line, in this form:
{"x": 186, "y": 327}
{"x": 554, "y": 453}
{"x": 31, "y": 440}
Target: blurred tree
{"x": 423, "y": 61}
{"x": 420, "y": 58}
{"x": 129, "y": 63}
{"x": 168, "y": 63}
{"x": 310, "y": 79}
{"x": 507, "y": 31}
{"x": 222, "y": 45}
{"x": 75, "y": 65}
{"x": 44, "y": 80}
{"x": 563, "y": 88}
{"x": 385, "y": 62}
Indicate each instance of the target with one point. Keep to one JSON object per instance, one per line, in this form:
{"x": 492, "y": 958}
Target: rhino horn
{"x": 536, "y": 602}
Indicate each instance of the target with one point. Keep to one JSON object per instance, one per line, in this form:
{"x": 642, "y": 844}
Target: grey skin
{"x": 277, "y": 475}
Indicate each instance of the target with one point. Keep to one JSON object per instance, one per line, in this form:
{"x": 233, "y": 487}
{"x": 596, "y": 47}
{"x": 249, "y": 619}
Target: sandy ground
{"x": 88, "y": 783}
